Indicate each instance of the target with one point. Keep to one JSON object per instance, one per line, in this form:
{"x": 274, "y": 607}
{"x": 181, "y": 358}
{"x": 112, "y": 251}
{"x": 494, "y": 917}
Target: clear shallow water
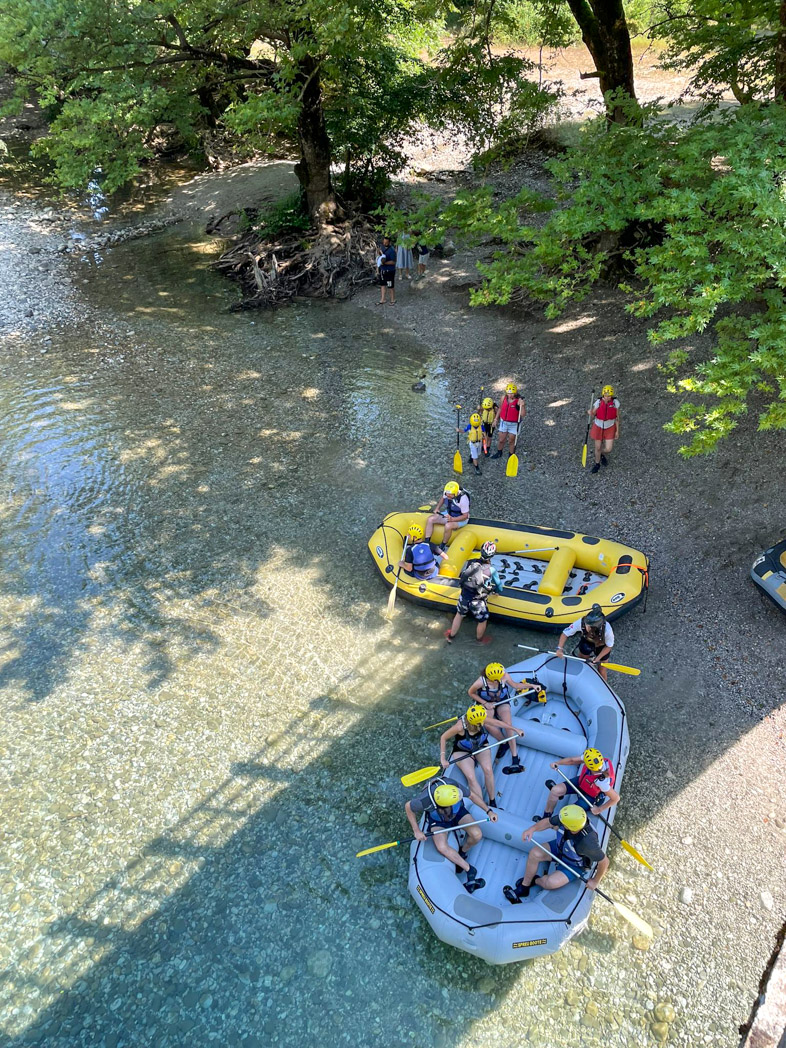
{"x": 206, "y": 713}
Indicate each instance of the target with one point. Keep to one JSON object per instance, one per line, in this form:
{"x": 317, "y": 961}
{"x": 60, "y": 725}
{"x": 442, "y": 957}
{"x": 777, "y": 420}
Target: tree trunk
{"x": 780, "y": 55}
{"x": 313, "y": 168}
{"x": 605, "y": 33}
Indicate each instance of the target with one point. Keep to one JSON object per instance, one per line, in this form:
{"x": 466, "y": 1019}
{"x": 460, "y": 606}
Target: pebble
{"x": 320, "y": 963}
{"x": 642, "y": 942}
{"x": 660, "y": 1031}
{"x": 419, "y": 387}
{"x": 767, "y": 900}
{"x": 686, "y": 896}
{"x": 486, "y": 984}
{"x": 664, "y": 1012}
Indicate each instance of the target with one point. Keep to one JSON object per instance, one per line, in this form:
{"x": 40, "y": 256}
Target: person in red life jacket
{"x": 494, "y": 689}
{"x": 511, "y": 412}
{"x": 470, "y": 734}
{"x": 442, "y": 803}
{"x": 576, "y": 844}
{"x": 478, "y": 578}
{"x": 593, "y": 787}
{"x": 605, "y": 415}
{"x": 452, "y": 510}
{"x": 597, "y": 639}
{"x": 421, "y": 559}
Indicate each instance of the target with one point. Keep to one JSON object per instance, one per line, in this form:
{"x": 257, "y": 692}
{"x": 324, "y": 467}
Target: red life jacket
{"x": 588, "y": 779}
{"x": 606, "y": 412}
{"x": 509, "y": 409}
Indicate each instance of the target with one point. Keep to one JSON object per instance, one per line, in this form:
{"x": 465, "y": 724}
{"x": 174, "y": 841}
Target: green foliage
{"x": 289, "y": 215}
{"x": 550, "y": 24}
{"x": 696, "y": 215}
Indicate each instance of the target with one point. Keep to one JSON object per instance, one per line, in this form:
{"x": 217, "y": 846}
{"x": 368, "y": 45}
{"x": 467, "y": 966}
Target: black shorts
{"x": 387, "y": 278}
{"x": 588, "y": 651}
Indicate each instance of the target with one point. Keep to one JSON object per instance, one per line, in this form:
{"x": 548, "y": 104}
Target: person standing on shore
{"x": 421, "y": 254}
{"x": 511, "y": 412}
{"x": 488, "y": 416}
{"x": 404, "y": 257}
{"x": 597, "y": 639}
{"x": 605, "y": 415}
{"x": 387, "y": 271}
{"x": 474, "y": 431}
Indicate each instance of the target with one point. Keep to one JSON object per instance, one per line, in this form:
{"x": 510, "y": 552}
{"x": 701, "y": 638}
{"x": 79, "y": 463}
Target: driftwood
{"x": 332, "y": 262}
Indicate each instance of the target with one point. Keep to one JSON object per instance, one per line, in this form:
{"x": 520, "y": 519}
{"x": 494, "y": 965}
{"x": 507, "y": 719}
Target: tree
{"x": 604, "y": 31}
{"x": 113, "y": 74}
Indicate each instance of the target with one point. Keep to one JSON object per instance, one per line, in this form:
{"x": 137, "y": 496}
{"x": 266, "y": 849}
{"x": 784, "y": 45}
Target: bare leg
{"x": 442, "y": 846}
{"x": 481, "y": 630}
{"x": 556, "y": 793}
{"x": 484, "y": 760}
{"x": 455, "y": 625}
{"x": 598, "y": 444}
{"x": 503, "y": 714}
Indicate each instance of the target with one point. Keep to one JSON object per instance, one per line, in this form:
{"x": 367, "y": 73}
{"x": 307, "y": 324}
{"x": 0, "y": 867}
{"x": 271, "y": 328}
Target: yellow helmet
{"x": 451, "y": 489}
{"x": 593, "y": 759}
{"x": 476, "y": 714}
{"x": 446, "y": 796}
{"x": 511, "y": 389}
{"x": 415, "y": 532}
{"x": 474, "y": 419}
{"x": 488, "y": 403}
{"x": 495, "y": 671}
{"x": 573, "y": 818}
{"x": 607, "y": 391}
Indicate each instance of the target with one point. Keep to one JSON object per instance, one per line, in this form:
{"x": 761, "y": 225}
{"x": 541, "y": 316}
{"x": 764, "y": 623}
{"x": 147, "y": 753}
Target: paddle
{"x": 638, "y": 922}
{"x": 628, "y": 847}
{"x": 630, "y": 670}
{"x": 414, "y": 777}
{"x": 543, "y": 549}
{"x": 483, "y": 426}
{"x": 392, "y": 594}
{"x": 512, "y": 468}
{"x": 439, "y": 724}
{"x": 586, "y": 435}
{"x": 458, "y": 465}
{"x": 408, "y": 840}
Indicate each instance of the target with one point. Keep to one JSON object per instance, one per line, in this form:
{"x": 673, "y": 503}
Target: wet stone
{"x": 642, "y": 942}
{"x": 665, "y": 1013}
{"x": 320, "y": 963}
{"x": 486, "y": 984}
{"x": 660, "y": 1031}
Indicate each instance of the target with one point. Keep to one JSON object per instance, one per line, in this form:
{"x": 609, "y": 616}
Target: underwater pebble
{"x": 320, "y": 963}
{"x": 642, "y": 942}
{"x": 686, "y": 896}
{"x": 665, "y": 1013}
{"x": 660, "y": 1031}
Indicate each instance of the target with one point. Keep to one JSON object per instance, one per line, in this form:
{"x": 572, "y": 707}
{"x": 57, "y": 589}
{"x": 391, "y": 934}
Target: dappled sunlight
{"x": 573, "y": 325}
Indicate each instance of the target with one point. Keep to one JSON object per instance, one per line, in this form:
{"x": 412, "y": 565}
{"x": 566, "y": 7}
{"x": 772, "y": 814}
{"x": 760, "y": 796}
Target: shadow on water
{"x": 156, "y": 487}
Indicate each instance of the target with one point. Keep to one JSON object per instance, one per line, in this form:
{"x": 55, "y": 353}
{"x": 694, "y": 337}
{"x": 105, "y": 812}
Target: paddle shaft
{"x": 458, "y": 427}
{"x": 543, "y": 549}
{"x": 490, "y": 746}
{"x": 494, "y": 704}
{"x": 609, "y": 665}
{"x": 432, "y": 833}
{"x": 392, "y": 597}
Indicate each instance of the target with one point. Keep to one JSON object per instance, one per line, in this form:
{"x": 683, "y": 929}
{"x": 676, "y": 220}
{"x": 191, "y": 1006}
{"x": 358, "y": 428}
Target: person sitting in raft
{"x": 477, "y": 579}
{"x": 605, "y": 415}
{"x": 474, "y": 431}
{"x": 593, "y": 787}
{"x": 576, "y": 844}
{"x": 493, "y": 690}
{"x": 442, "y": 803}
{"x": 511, "y": 412}
{"x": 452, "y": 510}
{"x": 488, "y": 415}
{"x": 597, "y": 639}
{"x": 470, "y": 734}
{"x": 421, "y": 559}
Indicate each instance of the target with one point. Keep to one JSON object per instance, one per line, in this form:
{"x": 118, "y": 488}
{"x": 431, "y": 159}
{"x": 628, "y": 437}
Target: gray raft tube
{"x": 485, "y": 924}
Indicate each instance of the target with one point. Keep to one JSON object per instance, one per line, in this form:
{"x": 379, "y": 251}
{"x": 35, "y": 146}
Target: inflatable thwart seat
{"x": 769, "y": 573}
{"x": 550, "y": 577}
{"x": 581, "y": 710}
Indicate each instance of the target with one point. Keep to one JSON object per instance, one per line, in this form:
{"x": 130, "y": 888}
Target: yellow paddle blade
{"x": 512, "y": 468}
{"x": 633, "y": 918}
{"x": 636, "y": 855}
{"x": 421, "y": 775}
{"x": 458, "y": 465}
{"x": 630, "y": 670}
{"x": 584, "y": 456}
{"x": 440, "y": 723}
{"x": 379, "y": 847}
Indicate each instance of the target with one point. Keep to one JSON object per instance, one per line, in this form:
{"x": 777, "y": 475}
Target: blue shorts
{"x": 573, "y": 873}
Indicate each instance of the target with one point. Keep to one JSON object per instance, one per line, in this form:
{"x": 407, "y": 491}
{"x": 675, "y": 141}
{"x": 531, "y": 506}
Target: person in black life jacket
{"x": 387, "y": 271}
{"x": 478, "y": 578}
{"x": 595, "y": 782}
{"x": 494, "y": 689}
{"x": 605, "y": 415}
{"x": 452, "y": 510}
{"x": 511, "y": 411}
{"x": 488, "y": 416}
{"x": 576, "y": 844}
{"x": 470, "y": 734}
{"x": 442, "y": 803}
{"x": 597, "y": 639}
{"x": 421, "y": 559}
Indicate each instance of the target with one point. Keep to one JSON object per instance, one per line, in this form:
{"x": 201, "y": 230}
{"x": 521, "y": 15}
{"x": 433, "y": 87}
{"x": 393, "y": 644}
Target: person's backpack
{"x": 472, "y": 575}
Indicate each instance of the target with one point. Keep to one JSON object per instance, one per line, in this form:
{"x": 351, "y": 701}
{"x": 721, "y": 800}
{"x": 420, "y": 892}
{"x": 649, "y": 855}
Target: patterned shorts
{"x": 475, "y": 606}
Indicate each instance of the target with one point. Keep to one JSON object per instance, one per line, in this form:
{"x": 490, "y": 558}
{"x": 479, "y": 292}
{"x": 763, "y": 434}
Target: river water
{"x": 206, "y": 714}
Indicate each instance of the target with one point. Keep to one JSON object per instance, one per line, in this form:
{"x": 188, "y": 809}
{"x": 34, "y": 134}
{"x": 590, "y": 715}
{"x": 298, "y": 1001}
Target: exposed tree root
{"x": 332, "y": 262}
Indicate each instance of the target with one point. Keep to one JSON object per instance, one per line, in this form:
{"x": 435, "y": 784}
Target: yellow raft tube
{"x": 550, "y": 577}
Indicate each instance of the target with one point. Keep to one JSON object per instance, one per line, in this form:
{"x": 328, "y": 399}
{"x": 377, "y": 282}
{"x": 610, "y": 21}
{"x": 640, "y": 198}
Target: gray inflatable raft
{"x": 581, "y": 710}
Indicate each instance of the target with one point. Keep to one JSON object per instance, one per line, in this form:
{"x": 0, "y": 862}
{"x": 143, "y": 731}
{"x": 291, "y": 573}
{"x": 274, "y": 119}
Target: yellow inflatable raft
{"x": 550, "y": 577}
